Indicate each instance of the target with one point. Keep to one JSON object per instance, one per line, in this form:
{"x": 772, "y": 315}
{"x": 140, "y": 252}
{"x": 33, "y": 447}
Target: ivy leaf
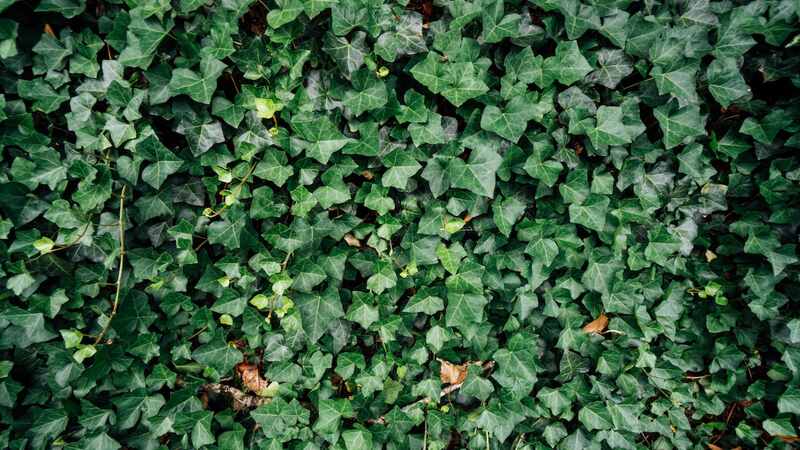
{"x": 478, "y": 173}
{"x": 369, "y": 93}
{"x": 464, "y": 309}
{"x": 44, "y": 97}
{"x": 163, "y": 162}
{"x": 49, "y": 423}
{"x": 457, "y": 82}
{"x": 507, "y": 212}
{"x": 228, "y": 231}
{"x": 384, "y": 277}
{"x": 144, "y": 35}
{"x": 567, "y": 66}
{"x": 497, "y": 25}
{"x": 545, "y": 170}
{"x": 323, "y": 137}
{"x": 199, "y": 86}
{"x": 287, "y": 12}
{"x": 516, "y": 365}
{"x": 67, "y": 8}
{"x": 218, "y": 355}
{"x": 348, "y": 54}
{"x": 317, "y": 311}
{"x": 362, "y": 312}
{"x": 613, "y": 66}
{"x": 679, "y": 125}
{"x": 463, "y": 84}
{"x": 766, "y": 129}
{"x": 725, "y": 82}
{"x": 610, "y": 129}
{"x": 591, "y": 213}
{"x": 595, "y": 416}
{"x": 402, "y": 167}
{"x": 273, "y": 167}
{"x": 425, "y": 301}
{"x": 511, "y": 121}
{"x": 331, "y": 412}
{"x": 679, "y": 83}
{"x": 431, "y": 73}
{"x": 359, "y": 439}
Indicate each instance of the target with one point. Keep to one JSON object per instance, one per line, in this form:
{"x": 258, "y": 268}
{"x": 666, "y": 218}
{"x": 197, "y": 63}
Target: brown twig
{"x": 121, "y": 265}
{"x": 241, "y": 401}
{"x": 696, "y": 377}
{"x": 233, "y": 80}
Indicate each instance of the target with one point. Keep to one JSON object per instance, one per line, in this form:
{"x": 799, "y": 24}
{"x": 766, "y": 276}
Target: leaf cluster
{"x": 273, "y": 224}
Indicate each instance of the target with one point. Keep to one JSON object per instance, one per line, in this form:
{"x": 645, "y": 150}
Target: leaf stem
{"x": 74, "y": 242}
{"x": 237, "y": 190}
{"x": 121, "y": 222}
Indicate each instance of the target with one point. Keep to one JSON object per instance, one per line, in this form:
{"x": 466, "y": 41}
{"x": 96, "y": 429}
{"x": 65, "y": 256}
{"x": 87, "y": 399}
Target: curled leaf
{"x": 352, "y": 241}
{"x": 597, "y": 325}
{"x": 452, "y": 373}
{"x": 251, "y": 378}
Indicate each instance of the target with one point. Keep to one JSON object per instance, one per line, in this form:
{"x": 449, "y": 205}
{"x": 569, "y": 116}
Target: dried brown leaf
{"x": 368, "y": 174}
{"x": 452, "y": 373}
{"x": 352, "y": 241}
{"x": 251, "y": 378}
{"x": 49, "y": 30}
{"x": 240, "y": 401}
{"x": 597, "y": 325}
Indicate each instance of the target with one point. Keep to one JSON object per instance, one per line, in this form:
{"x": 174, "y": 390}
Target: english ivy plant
{"x": 399, "y": 224}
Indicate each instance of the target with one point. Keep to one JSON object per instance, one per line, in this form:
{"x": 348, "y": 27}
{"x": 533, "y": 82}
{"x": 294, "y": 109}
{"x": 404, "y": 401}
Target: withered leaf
{"x": 251, "y": 378}
{"x": 452, "y": 373}
{"x": 352, "y": 241}
{"x": 597, "y": 325}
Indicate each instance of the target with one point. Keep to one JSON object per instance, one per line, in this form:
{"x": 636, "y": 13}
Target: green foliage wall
{"x": 400, "y": 224}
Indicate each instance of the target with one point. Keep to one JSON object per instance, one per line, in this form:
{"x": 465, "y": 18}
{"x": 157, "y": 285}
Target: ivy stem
{"x": 197, "y": 333}
{"x": 625, "y": 88}
{"x": 425, "y": 437}
{"x": 237, "y": 189}
{"x": 286, "y": 261}
{"x": 518, "y": 440}
{"x": 114, "y": 307}
{"x": 74, "y": 242}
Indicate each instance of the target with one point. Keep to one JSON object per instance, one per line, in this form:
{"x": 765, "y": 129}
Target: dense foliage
{"x": 400, "y": 224}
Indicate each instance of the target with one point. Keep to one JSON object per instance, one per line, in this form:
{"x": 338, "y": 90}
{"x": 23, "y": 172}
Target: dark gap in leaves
{"x": 255, "y": 19}
{"x": 427, "y": 9}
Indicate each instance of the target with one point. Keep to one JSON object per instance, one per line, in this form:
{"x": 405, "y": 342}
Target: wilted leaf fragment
{"x": 451, "y": 373}
{"x": 597, "y": 326}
